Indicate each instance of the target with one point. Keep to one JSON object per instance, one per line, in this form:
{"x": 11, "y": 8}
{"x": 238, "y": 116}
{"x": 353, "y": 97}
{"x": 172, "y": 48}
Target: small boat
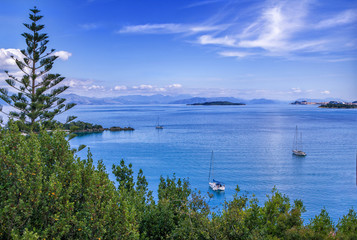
{"x": 297, "y": 145}
{"x": 214, "y": 184}
{"x": 158, "y": 126}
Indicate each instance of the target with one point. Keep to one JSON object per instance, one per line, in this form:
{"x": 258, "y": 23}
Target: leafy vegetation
{"x": 46, "y": 192}
{"x": 338, "y": 105}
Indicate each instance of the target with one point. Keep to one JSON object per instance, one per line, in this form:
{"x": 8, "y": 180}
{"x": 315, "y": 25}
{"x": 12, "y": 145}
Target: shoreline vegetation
{"x": 338, "y": 105}
{"x": 222, "y": 103}
{"x": 85, "y": 127}
{"x": 71, "y": 127}
{"x": 331, "y": 104}
{"x": 47, "y": 192}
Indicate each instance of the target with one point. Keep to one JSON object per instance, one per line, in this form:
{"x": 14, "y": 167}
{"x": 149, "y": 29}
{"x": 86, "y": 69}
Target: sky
{"x": 276, "y": 49}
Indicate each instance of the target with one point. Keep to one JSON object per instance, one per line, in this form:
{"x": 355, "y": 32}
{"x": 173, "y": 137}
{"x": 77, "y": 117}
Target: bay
{"x": 252, "y": 148}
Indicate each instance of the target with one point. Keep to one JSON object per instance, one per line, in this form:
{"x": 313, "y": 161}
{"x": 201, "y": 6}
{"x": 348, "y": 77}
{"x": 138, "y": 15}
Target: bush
{"x": 46, "y": 191}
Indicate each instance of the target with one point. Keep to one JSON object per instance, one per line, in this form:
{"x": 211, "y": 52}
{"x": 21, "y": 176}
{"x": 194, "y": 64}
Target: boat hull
{"x": 217, "y": 187}
{"x": 299, "y": 153}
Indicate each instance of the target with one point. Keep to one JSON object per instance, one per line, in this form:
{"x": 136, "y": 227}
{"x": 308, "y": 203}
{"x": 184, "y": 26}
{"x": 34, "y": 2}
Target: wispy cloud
{"x": 235, "y": 54}
{"x": 89, "y": 26}
{"x": 225, "y": 41}
{"x": 273, "y": 29}
{"x": 202, "y": 3}
{"x": 147, "y": 89}
{"x": 168, "y": 28}
{"x": 296, "y": 90}
{"x": 348, "y": 16}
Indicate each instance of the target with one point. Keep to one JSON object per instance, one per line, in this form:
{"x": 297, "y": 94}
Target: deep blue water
{"x": 252, "y": 148}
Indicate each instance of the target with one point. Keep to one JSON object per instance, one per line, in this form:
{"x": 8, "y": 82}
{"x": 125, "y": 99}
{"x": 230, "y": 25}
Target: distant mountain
{"x": 73, "y": 98}
{"x": 217, "y": 103}
{"x": 153, "y": 99}
{"x": 160, "y": 99}
{"x": 263, "y": 101}
{"x": 320, "y": 100}
{"x": 228, "y": 99}
{"x": 130, "y": 99}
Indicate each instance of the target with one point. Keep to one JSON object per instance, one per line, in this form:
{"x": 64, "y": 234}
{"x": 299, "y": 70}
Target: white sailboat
{"x": 297, "y": 145}
{"x": 158, "y": 126}
{"x": 214, "y": 184}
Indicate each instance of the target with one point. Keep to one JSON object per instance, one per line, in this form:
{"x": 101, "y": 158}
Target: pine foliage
{"x": 36, "y": 99}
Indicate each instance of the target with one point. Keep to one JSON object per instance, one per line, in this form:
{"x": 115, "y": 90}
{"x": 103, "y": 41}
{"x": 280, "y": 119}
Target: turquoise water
{"x": 252, "y": 148}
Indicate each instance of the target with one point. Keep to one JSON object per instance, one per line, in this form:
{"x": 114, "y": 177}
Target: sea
{"x": 252, "y": 148}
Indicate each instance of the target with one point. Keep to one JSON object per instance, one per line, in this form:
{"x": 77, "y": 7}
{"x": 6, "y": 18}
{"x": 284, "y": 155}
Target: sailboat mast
{"x": 210, "y": 167}
{"x": 300, "y": 147}
{"x": 295, "y": 139}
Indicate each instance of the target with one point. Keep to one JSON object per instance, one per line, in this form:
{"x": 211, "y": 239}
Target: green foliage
{"x": 80, "y": 125}
{"x": 338, "y": 105}
{"x": 322, "y": 226}
{"x": 347, "y": 226}
{"x": 36, "y": 99}
{"x": 46, "y": 192}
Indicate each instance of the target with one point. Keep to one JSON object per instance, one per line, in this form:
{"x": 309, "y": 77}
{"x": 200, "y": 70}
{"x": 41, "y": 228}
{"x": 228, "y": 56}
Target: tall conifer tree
{"x": 35, "y": 100}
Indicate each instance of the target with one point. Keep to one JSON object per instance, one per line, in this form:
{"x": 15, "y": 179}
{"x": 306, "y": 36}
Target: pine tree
{"x": 35, "y": 100}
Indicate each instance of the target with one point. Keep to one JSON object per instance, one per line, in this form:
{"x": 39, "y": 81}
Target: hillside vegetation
{"x": 46, "y": 192}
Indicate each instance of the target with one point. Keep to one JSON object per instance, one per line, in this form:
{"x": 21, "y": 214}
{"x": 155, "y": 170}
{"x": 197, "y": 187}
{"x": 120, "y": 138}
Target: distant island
{"x": 217, "y": 103}
{"x": 84, "y": 127}
{"x": 330, "y": 104}
{"x": 334, "y": 104}
{"x": 304, "y": 102}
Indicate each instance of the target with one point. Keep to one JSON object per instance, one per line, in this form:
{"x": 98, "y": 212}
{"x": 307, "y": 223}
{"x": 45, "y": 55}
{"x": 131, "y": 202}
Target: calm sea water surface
{"x": 252, "y": 148}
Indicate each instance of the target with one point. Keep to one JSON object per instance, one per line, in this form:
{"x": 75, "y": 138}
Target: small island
{"x": 84, "y": 127}
{"x": 216, "y": 103}
{"x": 333, "y": 104}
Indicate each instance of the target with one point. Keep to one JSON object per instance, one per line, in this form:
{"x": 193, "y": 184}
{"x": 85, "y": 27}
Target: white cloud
{"x": 175, "y": 85}
{"x": 296, "y": 90}
{"x": 161, "y": 89}
{"x": 95, "y": 87}
{"x": 80, "y": 84}
{"x": 143, "y": 87}
{"x": 64, "y": 55}
{"x": 345, "y": 17}
{"x": 120, "y": 88}
{"x": 5, "y": 57}
{"x": 7, "y": 63}
{"x": 147, "y": 89}
{"x": 326, "y": 92}
{"x": 167, "y": 28}
{"x": 234, "y": 54}
{"x": 275, "y": 28}
{"x": 207, "y": 39}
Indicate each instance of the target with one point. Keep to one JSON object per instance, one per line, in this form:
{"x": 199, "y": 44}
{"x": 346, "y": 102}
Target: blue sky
{"x": 249, "y": 49}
